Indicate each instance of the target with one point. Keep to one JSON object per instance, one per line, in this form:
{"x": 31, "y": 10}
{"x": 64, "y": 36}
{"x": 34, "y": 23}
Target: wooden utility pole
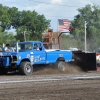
{"x": 24, "y": 35}
{"x": 85, "y": 38}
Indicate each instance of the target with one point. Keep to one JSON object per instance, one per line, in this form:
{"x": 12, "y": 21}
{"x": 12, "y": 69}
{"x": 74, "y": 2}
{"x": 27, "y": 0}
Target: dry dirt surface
{"x": 50, "y": 84}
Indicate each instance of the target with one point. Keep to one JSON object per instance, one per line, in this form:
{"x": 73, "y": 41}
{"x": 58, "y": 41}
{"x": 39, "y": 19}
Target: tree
{"x": 32, "y": 23}
{"x": 23, "y": 21}
{"x": 5, "y": 18}
{"x": 6, "y": 37}
{"x": 90, "y": 14}
{"x": 13, "y": 17}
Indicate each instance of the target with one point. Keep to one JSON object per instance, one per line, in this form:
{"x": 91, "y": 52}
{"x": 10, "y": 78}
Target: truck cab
{"x": 25, "y": 55}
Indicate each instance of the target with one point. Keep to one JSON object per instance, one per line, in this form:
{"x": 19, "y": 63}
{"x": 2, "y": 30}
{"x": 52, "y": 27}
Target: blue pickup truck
{"x": 25, "y": 55}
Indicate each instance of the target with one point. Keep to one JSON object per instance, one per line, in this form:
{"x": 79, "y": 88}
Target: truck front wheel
{"x": 25, "y": 68}
{"x": 61, "y": 65}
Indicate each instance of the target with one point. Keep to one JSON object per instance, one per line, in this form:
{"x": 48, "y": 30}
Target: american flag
{"x": 64, "y": 24}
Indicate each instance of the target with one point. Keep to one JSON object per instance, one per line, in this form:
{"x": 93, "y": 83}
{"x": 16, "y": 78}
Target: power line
{"x": 53, "y": 4}
{"x": 46, "y": 3}
{"x": 58, "y": 16}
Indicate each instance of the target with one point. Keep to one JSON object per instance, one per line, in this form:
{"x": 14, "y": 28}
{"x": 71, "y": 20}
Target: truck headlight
{"x": 19, "y": 57}
{"x": 1, "y": 54}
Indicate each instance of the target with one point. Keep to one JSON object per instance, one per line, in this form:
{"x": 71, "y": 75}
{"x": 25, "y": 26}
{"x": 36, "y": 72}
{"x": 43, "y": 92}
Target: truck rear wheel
{"x": 61, "y": 65}
{"x": 26, "y": 68}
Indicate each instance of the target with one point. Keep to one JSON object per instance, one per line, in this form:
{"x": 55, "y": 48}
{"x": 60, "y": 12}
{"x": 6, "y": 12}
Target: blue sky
{"x": 52, "y": 9}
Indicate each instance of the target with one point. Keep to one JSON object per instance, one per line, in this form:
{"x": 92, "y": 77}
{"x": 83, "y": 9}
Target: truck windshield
{"x": 23, "y": 47}
{"x": 20, "y": 47}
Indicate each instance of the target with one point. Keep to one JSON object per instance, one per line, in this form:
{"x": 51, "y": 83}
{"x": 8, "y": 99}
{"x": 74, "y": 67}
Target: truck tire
{"x": 25, "y": 68}
{"x": 61, "y": 65}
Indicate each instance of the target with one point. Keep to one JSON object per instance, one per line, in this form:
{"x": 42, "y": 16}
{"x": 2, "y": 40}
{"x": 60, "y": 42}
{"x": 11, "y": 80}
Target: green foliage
{"x": 67, "y": 41}
{"x": 5, "y": 19}
{"x": 13, "y": 17}
{"x": 32, "y": 23}
{"x": 29, "y": 22}
{"x": 6, "y": 37}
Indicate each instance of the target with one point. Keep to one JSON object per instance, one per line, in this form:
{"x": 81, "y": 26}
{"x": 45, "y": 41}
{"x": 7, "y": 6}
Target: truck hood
{"x": 7, "y": 53}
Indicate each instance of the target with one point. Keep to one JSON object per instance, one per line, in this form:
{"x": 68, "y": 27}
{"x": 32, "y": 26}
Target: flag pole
{"x": 58, "y": 33}
{"x": 63, "y": 25}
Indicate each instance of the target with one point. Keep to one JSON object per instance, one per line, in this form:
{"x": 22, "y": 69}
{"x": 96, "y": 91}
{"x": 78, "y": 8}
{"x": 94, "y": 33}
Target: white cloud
{"x": 56, "y": 1}
{"x": 6, "y": 0}
{"x": 85, "y": 2}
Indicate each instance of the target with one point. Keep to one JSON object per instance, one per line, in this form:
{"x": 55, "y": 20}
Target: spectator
{"x": 8, "y": 48}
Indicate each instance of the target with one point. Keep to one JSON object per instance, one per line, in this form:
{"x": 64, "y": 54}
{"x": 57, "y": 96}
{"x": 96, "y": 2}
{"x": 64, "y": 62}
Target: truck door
{"x": 39, "y": 54}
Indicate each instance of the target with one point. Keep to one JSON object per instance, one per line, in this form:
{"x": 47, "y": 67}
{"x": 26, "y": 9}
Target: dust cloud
{"x": 50, "y": 69}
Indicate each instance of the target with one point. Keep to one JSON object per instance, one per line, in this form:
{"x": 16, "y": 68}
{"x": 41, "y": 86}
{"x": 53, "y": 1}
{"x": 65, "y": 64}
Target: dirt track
{"x": 50, "y": 90}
